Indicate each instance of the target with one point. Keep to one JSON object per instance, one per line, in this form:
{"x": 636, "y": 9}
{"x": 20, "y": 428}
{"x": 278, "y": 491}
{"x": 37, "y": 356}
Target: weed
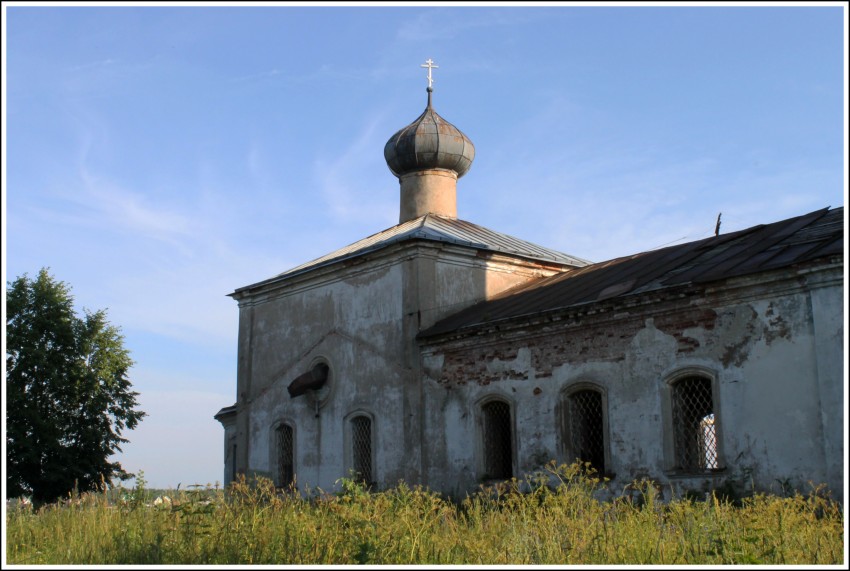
{"x": 550, "y": 517}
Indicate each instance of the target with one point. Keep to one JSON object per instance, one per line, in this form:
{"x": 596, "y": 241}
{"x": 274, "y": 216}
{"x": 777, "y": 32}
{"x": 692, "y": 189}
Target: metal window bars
{"x": 694, "y": 425}
{"x": 285, "y": 456}
{"x": 587, "y": 439}
{"x": 361, "y": 448}
{"x": 498, "y": 449}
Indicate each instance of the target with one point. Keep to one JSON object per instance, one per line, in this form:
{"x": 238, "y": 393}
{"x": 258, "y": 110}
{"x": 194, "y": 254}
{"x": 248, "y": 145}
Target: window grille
{"x": 361, "y": 448}
{"x": 285, "y": 456}
{"x": 587, "y": 439}
{"x": 498, "y": 452}
{"x": 233, "y": 464}
{"x": 694, "y": 425}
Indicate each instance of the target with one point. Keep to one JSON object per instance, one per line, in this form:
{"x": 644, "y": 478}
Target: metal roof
{"x": 760, "y": 248}
{"x": 430, "y": 142}
{"x": 442, "y": 229}
{"x": 225, "y": 412}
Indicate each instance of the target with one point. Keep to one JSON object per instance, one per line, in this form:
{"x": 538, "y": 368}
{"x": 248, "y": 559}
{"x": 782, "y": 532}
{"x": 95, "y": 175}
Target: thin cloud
{"x": 644, "y": 209}
{"x": 191, "y": 294}
{"x": 443, "y": 24}
{"x": 93, "y": 200}
{"x": 327, "y": 72}
{"x": 125, "y": 210}
{"x": 342, "y": 189}
{"x": 92, "y": 65}
{"x": 98, "y": 204}
{"x": 257, "y": 76}
{"x": 255, "y": 164}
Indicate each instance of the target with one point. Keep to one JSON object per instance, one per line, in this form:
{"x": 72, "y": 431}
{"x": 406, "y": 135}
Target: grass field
{"x": 517, "y": 522}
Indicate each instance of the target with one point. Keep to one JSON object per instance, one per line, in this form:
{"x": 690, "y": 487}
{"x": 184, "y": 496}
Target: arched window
{"x": 497, "y": 440}
{"x": 285, "y": 448}
{"x": 695, "y": 424}
{"x": 361, "y": 448}
{"x": 586, "y": 427}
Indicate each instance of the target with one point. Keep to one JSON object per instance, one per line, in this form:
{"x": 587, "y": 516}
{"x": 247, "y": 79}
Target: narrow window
{"x": 233, "y": 464}
{"x": 587, "y": 437}
{"x": 498, "y": 449}
{"x": 285, "y": 455}
{"x": 361, "y": 448}
{"x": 694, "y": 425}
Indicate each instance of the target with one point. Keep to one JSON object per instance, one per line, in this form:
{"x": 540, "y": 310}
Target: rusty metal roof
{"x": 441, "y": 229}
{"x": 760, "y": 248}
{"x": 430, "y": 142}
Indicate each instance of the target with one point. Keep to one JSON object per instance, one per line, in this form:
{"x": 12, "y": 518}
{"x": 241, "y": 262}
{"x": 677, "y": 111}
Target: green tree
{"x": 68, "y": 397}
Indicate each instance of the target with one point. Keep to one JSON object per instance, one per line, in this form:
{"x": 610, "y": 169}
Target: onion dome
{"x": 430, "y": 142}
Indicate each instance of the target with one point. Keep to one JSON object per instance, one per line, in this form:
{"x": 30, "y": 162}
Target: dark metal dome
{"x": 430, "y": 142}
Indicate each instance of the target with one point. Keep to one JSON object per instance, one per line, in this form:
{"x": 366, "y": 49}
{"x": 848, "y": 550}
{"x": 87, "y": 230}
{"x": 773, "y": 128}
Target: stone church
{"x": 443, "y": 353}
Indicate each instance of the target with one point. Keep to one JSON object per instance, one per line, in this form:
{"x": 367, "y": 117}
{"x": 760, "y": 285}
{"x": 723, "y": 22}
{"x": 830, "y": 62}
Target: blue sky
{"x": 158, "y": 158}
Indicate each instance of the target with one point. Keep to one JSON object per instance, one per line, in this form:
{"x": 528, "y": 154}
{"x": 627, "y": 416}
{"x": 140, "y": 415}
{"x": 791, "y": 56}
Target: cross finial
{"x": 429, "y": 63}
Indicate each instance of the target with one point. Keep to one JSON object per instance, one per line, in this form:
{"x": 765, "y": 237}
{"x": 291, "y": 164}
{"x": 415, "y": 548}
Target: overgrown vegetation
{"x": 550, "y": 518}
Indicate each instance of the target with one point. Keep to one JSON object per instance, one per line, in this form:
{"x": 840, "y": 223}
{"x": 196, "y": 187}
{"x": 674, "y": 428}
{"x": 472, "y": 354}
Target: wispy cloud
{"x": 95, "y": 200}
{"x": 121, "y": 214}
{"x": 447, "y": 23}
{"x": 190, "y": 293}
{"x": 110, "y": 77}
{"x": 606, "y": 210}
{"x": 164, "y": 264}
{"x": 257, "y": 76}
{"x": 344, "y": 179}
{"x": 91, "y": 65}
{"x": 328, "y": 72}
{"x": 130, "y": 211}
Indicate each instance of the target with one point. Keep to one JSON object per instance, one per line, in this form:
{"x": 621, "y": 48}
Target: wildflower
{"x": 22, "y": 503}
{"x": 162, "y": 501}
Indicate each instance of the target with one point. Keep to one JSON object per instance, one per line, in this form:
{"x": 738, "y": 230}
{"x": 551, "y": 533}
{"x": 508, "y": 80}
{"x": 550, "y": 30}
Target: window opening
{"x": 587, "y": 439}
{"x": 285, "y": 455}
{"x": 694, "y": 425}
{"x": 361, "y": 444}
{"x": 498, "y": 452}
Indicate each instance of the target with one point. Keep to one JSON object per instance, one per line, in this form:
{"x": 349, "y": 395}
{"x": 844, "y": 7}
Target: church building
{"x": 446, "y": 354}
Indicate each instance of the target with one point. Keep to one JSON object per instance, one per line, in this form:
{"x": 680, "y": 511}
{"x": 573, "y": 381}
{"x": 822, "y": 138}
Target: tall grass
{"x": 529, "y": 521}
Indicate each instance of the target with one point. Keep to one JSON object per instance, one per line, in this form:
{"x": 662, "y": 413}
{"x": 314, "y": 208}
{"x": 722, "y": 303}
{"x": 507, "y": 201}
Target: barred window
{"x": 498, "y": 447}
{"x": 694, "y": 425}
{"x": 285, "y": 455}
{"x": 586, "y": 428}
{"x": 361, "y": 448}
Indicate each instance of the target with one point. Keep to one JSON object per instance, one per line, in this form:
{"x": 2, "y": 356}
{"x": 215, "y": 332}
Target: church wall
{"x": 349, "y": 320}
{"x": 362, "y": 318}
{"x": 459, "y": 277}
{"x": 827, "y": 301}
{"x": 755, "y": 341}
{"x": 449, "y": 279}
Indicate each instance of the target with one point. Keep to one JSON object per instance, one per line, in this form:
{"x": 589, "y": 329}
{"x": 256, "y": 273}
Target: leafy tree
{"x": 68, "y": 397}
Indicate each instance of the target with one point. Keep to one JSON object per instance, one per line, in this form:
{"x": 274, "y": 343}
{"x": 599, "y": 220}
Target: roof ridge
{"x": 437, "y": 228}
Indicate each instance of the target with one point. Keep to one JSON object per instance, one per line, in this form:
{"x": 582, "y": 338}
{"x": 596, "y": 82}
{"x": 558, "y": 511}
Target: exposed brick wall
{"x": 579, "y": 341}
{"x": 676, "y": 324}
